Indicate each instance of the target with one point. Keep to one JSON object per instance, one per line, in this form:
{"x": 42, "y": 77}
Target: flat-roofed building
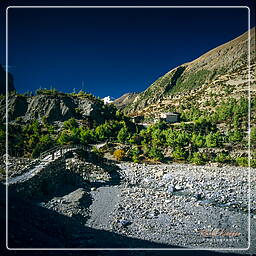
{"x": 169, "y": 117}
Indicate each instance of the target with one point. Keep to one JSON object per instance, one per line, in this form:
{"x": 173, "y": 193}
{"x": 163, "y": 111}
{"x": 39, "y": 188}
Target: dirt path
{"x": 105, "y": 199}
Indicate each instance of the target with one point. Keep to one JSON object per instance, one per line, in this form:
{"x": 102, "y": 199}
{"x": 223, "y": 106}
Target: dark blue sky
{"x": 113, "y": 51}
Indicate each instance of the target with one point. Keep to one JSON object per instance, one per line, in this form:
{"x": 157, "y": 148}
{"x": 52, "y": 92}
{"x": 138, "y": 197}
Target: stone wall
{"x": 60, "y": 175}
{"x": 52, "y": 178}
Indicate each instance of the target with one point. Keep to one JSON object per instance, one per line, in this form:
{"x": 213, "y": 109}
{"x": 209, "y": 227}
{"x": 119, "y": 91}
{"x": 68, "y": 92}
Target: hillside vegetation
{"x": 223, "y": 69}
{"x": 210, "y": 93}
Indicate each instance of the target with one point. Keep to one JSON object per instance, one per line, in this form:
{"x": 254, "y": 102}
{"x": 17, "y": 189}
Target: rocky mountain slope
{"x": 53, "y": 107}
{"x": 125, "y": 99}
{"x": 222, "y": 69}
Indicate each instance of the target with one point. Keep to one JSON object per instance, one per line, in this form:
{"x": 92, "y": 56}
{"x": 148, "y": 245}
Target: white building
{"x": 108, "y": 99}
{"x": 169, "y": 117}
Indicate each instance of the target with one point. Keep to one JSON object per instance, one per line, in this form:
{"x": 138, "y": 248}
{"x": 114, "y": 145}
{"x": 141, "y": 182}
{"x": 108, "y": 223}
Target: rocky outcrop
{"x": 3, "y": 81}
{"x": 59, "y": 107}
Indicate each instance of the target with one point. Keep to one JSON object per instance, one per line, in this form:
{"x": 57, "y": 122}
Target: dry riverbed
{"x": 179, "y": 205}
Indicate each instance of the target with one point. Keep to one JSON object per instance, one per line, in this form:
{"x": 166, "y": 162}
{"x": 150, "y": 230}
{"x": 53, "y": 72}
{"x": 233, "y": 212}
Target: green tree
{"x": 198, "y": 158}
{"x": 156, "y": 153}
{"x": 198, "y": 140}
{"x": 253, "y": 136}
{"x": 87, "y": 136}
{"x": 135, "y": 153}
{"x": 179, "y": 153}
{"x": 70, "y": 124}
{"x": 213, "y": 140}
{"x": 123, "y": 135}
{"x": 235, "y": 136}
{"x": 45, "y": 143}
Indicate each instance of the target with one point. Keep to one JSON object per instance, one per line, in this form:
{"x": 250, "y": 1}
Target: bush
{"x": 123, "y": 135}
{"x": 119, "y": 154}
{"x": 242, "y": 161}
{"x": 222, "y": 158}
{"x": 52, "y": 92}
{"x": 198, "y": 158}
{"x": 70, "y": 123}
{"x": 253, "y": 136}
{"x": 135, "y": 139}
{"x": 179, "y": 153}
{"x": 235, "y": 136}
{"x": 135, "y": 153}
{"x": 213, "y": 140}
{"x": 156, "y": 153}
{"x": 86, "y": 136}
{"x": 198, "y": 140}
{"x": 44, "y": 144}
{"x": 253, "y": 163}
{"x": 97, "y": 152}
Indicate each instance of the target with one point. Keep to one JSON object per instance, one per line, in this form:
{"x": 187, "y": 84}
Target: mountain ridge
{"x": 227, "y": 58}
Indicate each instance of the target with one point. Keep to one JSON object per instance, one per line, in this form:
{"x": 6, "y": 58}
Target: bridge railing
{"x": 63, "y": 149}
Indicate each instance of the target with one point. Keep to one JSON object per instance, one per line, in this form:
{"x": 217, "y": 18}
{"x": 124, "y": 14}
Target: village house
{"x": 169, "y": 117}
{"x": 137, "y": 119}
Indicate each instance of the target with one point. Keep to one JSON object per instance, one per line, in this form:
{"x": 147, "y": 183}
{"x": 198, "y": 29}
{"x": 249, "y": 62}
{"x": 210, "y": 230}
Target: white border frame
{"x": 249, "y": 129}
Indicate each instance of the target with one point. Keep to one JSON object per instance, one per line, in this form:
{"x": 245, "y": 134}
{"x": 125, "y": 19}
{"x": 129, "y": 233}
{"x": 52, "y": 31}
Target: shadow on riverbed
{"x": 110, "y": 167}
{"x": 32, "y": 226}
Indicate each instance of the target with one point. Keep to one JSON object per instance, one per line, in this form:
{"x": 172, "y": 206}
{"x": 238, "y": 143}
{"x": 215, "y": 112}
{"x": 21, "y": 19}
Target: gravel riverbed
{"x": 179, "y": 205}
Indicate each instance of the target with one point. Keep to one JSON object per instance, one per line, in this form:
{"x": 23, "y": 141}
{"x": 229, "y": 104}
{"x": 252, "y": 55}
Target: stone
{"x": 159, "y": 174}
{"x": 167, "y": 177}
{"x": 198, "y": 196}
{"x": 171, "y": 189}
{"x": 125, "y": 223}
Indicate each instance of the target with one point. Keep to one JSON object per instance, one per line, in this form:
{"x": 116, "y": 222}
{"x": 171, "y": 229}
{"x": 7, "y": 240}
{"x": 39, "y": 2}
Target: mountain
{"x": 223, "y": 68}
{"x": 54, "y": 106}
{"x": 125, "y": 99}
{"x": 2, "y": 81}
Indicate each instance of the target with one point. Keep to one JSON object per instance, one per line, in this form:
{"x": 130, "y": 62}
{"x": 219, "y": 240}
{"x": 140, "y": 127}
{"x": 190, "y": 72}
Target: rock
{"x": 198, "y": 196}
{"x": 159, "y": 174}
{"x": 147, "y": 180}
{"x": 125, "y": 223}
{"x": 177, "y": 188}
{"x": 171, "y": 189}
{"x": 167, "y": 177}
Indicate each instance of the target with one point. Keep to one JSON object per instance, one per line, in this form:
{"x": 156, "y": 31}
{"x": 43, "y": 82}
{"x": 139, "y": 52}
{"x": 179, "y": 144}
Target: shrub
{"x": 86, "y": 136}
{"x": 198, "y": 158}
{"x": 156, "y": 153}
{"x": 123, "y": 135}
{"x": 179, "y": 153}
{"x": 64, "y": 138}
{"x": 135, "y": 153}
{"x": 253, "y": 136}
{"x": 213, "y": 140}
{"x": 198, "y": 140}
{"x": 44, "y": 144}
{"x": 222, "y": 158}
{"x": 235, "y": 136}
{"x": 119, "y": 154}
{"x": 53, "y": 92}
{"x": 242, "y": 161}
{"x": 135, "y": 139}
{"x": 253, "y": 163}
{"x": 70, "y": 123}
{"x": 97, "y": 152}
{"x": 107, "y": 130}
